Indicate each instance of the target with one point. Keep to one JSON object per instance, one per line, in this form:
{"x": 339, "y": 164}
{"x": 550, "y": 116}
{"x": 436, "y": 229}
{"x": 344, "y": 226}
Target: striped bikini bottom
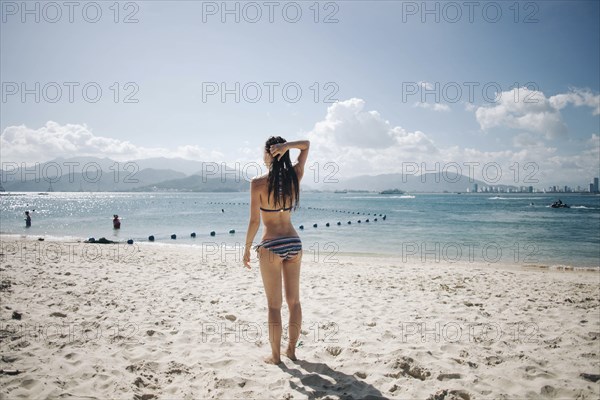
{"x": 285, "y": 247}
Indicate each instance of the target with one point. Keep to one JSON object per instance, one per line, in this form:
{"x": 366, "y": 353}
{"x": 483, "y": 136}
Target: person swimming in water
{"x": 273, "y": 196}
{"x": 116, "y": 222}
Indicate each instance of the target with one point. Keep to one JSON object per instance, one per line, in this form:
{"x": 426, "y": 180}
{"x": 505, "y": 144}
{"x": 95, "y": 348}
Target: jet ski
{"x": 559, "y": 204}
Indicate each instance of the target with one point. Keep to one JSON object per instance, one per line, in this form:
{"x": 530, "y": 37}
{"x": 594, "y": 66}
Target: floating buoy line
{"x": 375, "y": 218}
{"x": 316, "y": 225}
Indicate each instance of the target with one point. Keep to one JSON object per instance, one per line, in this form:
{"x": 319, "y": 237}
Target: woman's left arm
{"x": 254, "y": 222}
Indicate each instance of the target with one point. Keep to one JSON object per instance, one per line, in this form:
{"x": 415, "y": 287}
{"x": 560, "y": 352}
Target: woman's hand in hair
{"x": 278, "y": 150}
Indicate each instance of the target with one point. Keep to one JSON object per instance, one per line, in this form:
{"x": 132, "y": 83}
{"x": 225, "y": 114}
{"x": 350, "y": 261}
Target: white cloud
{"x": 358, "y": 140}
{"x": 361, "y": 141}
{"x": 334, "y": 139}
{"x": 434, "y": 107}
{"x": 523, "y": 109}
{"x": 585, "y": 164}
{"x": 429, "y": 87}
{"x": 347, "y": 124}
{"x": 577, "y": 97}
{"x": 526, "y": 139}
{"x": 23, "y": 144}
{"x": 532, "y": 111}
{"x": 470, "y": 107}
{"x": 426, "y": 85}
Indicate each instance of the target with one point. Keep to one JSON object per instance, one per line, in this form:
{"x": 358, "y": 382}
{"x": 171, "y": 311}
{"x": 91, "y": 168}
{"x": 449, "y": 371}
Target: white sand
{"x": 164, "y": 321}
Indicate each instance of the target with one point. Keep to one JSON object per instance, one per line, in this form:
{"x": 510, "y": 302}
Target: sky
{"x": 504, "y": 88}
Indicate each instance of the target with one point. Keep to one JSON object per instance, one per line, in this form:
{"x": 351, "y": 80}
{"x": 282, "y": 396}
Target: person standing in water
{"x": 27, "y": 220}
{"x": 116, "y": 222}
{"x": 273, "y": 196}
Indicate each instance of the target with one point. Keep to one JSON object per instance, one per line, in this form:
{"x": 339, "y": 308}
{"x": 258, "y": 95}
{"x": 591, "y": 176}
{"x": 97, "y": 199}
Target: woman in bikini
{"x": 274, "y": 196}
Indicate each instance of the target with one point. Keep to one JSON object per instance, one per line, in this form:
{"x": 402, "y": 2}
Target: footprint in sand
{"x": 493, "y": 360}
{"x": 548, "y": 390}
{"x": 450, "y": 395}
{"x": 532, "y": 372}
{"x": 407, "y": 366}
{"x": 58, "y": 314}
{"x": 446, "y": 377}
{"x": 334, "y": 350}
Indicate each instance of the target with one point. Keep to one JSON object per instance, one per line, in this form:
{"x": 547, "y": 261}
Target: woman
{"x": 275, "y": 195}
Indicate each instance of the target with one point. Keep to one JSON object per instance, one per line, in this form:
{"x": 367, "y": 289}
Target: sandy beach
{"x": 160, "y": 321}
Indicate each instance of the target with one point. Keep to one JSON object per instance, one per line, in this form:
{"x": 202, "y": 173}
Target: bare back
{"x": 276, "y": 223}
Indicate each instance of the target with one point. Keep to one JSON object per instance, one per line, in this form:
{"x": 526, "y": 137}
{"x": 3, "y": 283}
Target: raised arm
{"x": 302, "y": 145}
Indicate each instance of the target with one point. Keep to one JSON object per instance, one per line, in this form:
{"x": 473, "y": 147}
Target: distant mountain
{"x": 59, "y": 165}
{"x": 93, "y": 181}
{"x": 77, "y": 164}
{"x": 188, "y": 167}
{"x": 103, "y": 174}
{"x": 176, "y": 174}
{"x": 198, "y": 183}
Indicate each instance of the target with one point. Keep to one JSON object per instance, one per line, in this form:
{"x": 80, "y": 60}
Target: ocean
{"x": 457, "y": 228}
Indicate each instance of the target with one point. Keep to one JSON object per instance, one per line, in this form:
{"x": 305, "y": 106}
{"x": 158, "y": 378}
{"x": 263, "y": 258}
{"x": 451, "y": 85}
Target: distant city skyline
{"x": 592, "y": 188}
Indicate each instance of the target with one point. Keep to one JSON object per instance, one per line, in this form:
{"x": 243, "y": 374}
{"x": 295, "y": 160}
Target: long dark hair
{"x": 283, "y": 187}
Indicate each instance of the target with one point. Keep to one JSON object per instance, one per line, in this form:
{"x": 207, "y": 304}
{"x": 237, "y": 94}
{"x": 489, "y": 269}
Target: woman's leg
{"x": 291, "y": 279}
{"x": 270, "y": 270}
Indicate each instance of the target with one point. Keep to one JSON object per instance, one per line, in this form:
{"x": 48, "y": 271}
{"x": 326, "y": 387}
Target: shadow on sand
{"x": 339, "y": 384}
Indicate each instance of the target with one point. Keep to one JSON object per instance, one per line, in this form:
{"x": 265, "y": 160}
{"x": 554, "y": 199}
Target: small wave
{"x": 564, "y": 267}
{"x": 587, "y": 208}
{"x": 405, "y": 196}
{"x": 515, "y": 198}
{"x": 50, "y": 237}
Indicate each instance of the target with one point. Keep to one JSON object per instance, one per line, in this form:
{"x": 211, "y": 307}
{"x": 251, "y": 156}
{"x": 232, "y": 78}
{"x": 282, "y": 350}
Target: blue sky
{"x": 371, "y": 55}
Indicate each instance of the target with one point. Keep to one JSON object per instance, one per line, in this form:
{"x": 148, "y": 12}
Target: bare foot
{"x": 291, "y": 354}
{"x": 272, "y": 360}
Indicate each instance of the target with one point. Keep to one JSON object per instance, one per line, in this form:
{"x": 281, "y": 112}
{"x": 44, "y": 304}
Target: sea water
{"x": 456, "y": 228}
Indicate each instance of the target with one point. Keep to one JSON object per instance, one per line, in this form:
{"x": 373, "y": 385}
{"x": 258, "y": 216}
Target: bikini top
{"x": 279, "y": 209}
